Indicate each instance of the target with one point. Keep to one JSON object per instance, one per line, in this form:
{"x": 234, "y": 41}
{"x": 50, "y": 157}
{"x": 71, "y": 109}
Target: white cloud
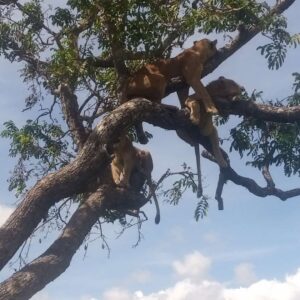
{"x": 186, "y": 290}
{"x": 5, "y": 212}
{"x": 244, "y": 274}
{"x": 288, "y": 289}
{"x": 193, "y": 265}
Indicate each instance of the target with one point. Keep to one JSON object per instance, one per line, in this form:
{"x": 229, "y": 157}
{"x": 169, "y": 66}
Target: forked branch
{"x": 32, "y": 278}
{"x": 91, "y": 163}
{"x": 250, "y": 184}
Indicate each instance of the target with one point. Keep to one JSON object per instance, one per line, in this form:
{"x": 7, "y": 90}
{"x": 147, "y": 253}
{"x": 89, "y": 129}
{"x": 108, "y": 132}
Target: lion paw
{"x": 212, "y": 110}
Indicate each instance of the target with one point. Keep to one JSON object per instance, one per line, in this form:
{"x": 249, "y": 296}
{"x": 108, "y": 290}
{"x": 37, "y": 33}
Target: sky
{"x": 248, "y": 251}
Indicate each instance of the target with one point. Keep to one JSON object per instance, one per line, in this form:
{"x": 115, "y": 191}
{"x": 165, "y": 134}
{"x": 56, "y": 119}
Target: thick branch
{"x": 260, "y": 111}
{"x": 73, "y": 178}
{"x": 7, "y": 2}
{"x": 257, "y": 190}
{"x": 90, "y": 162}
{"x": 250, "y": 184}
{"x": 53, "y": 262}
{"x": 71, "y": 113}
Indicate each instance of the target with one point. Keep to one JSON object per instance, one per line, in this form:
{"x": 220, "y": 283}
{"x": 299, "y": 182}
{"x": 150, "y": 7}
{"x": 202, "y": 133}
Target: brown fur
{"x": 151, "y": 80}
{"x": 220, "y": 88}
{"x": 128, "y": 161}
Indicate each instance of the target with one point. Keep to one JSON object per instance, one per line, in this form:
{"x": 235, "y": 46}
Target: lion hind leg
{"x": 214, "y": 139}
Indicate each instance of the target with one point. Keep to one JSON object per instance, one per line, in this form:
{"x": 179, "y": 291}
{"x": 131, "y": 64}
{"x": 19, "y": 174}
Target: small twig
{"x": 130, "y": 224}
{"x": 103, "y": 238}
{"x": 85, "y": 102}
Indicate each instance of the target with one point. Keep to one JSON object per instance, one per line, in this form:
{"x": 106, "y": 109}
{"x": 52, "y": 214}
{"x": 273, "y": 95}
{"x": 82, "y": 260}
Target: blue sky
{"x": 248, "y": 251}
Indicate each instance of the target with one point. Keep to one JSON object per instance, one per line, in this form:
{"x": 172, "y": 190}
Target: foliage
{"x": 275, "y": 51}
{"x": 295, "y": 98}
{"x": 201, "y": 208}
{"x": 72, "y": 44}
{"x": 270, "y": 143}
{"x": 75, "y": 59}
{"x": 180, "y": 186}
{"x": 35, "y": 142}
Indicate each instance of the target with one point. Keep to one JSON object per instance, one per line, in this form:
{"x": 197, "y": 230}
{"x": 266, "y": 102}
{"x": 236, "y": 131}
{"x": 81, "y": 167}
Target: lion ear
{"x": 195, "y": 43}
{"x": 222, "y": 78}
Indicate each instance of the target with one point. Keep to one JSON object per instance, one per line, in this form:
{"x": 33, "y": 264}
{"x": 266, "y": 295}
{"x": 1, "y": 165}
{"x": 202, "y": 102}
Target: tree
{"x": 74, "y": 59}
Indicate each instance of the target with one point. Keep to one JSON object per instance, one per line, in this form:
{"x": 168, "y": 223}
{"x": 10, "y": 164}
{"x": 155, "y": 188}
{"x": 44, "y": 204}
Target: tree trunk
{"x": 56, "y": 259}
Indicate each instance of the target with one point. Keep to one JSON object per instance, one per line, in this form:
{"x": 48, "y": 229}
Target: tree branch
{"x": 255, "y": 189}
{"x": 56, "y": 259}
{"x": 92, "y": 162}
{"x": 72, "y": 179}
{"x": 260, "y": 111}
{"x": 268, "y": 177}
{"x": 244, "y": 36}
{"x": 7, "y": 2}
{"x": 71, "y": 113}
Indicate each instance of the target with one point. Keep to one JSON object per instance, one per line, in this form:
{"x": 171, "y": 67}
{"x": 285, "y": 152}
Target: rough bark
{"x": 54, "y": 187}
{"x": 73, "y": 178}
{"x": 260, "y": 111}
{"x": 248, "y": 183}
{"x": 91, "y": 161}
{"x": 56, "y": 259}
{"x": 71, "y": 113}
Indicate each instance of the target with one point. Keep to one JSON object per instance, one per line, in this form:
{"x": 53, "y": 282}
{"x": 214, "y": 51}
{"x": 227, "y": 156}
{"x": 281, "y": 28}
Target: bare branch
{"x": 260, "y": 111}
{"x": 255, "y": 189}
{"x": 251, "y": 185}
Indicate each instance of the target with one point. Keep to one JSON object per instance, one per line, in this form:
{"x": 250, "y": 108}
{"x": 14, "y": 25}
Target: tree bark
{"x": 73, "y": 178}
{"x": 71, "y": 113}
{"x": 259, "y": 111}
{"x": 56, "y": 259}
{"x": 92, "y": 161}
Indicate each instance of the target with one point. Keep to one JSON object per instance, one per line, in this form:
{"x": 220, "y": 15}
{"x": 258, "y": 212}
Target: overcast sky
{"x": 248, "y": 251}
